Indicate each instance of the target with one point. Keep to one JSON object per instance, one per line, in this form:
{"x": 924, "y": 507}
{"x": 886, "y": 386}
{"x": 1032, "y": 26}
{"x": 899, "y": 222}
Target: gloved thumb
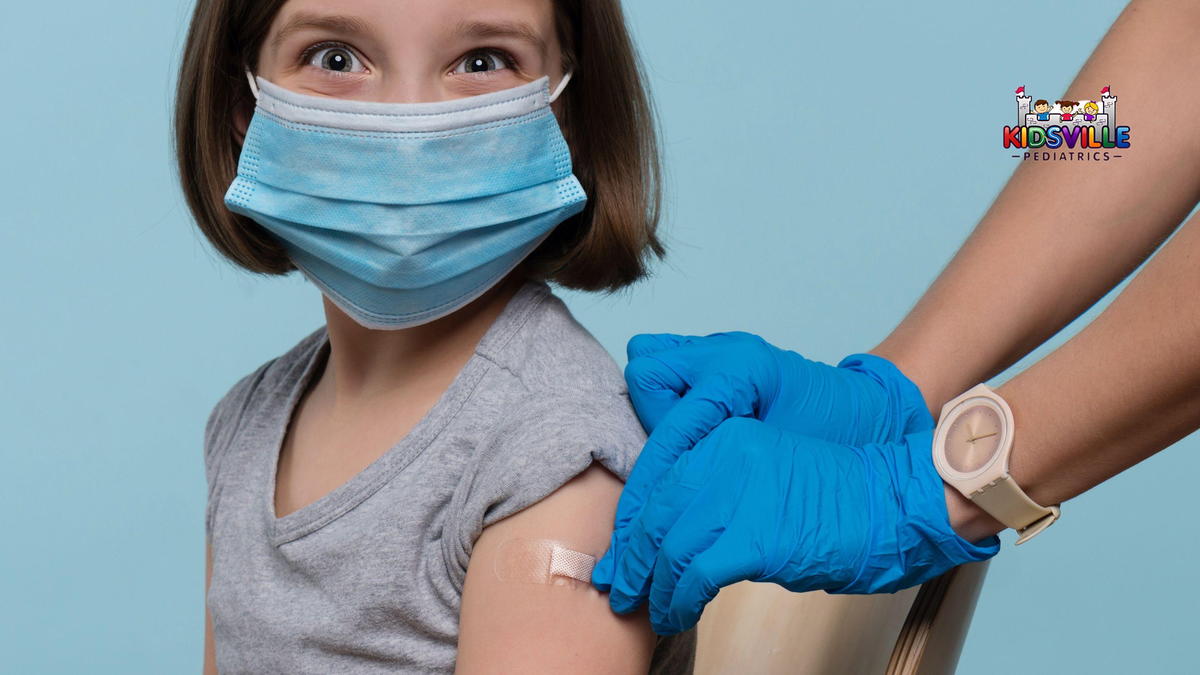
{"x": 645, "y": 344}
{"x": 654, "y": 389}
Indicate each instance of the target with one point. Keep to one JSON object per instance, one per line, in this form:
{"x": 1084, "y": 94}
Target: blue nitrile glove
{"x": 752, "y": 501}
{"x": 682, "y": 387}
{"x": 864, "y": 398}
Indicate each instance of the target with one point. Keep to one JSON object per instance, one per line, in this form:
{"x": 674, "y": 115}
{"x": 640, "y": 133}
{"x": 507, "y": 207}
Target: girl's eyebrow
{"x": 511, "y": 29}
{"x": 334, "y": 22}
{"x": 354, "y": 26}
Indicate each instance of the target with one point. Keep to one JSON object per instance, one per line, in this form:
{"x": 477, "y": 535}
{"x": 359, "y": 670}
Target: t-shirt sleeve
{"x": 223, "y": 422}
{"x": 547, "y": 441}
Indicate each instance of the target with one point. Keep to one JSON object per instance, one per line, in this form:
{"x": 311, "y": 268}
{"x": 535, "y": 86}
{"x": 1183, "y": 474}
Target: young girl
{"x": 384, "y": 495}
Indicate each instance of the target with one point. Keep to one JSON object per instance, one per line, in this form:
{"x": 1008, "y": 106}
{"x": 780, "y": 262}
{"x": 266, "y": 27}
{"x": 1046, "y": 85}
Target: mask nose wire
{"x": 562, "y": 84}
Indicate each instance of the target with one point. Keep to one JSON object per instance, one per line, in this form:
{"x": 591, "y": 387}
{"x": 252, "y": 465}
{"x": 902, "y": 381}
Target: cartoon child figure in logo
{"x": 1042, "y": 108}
{"x": 1067, "y": 107}
{"x": 1090, "y": 109}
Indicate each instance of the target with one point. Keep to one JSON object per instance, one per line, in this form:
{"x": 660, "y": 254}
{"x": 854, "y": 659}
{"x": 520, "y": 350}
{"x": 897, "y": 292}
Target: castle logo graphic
{"x": 1066, "y": 130}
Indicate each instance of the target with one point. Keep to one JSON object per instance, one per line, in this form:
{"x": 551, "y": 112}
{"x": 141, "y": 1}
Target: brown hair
{"x": 608, "y": 121}
{"x": 1067, "y": 104}
{"x": 1041, "y": 101}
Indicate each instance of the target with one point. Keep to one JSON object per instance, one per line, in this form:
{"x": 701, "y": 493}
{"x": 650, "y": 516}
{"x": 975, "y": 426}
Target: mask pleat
{"x": 401, "y": 227}
{"x": 415, "y": 220}
{"x": 409, "y": 168}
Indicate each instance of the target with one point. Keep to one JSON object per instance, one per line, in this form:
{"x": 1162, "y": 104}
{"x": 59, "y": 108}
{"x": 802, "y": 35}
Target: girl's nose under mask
{"x": 402, "y": 213}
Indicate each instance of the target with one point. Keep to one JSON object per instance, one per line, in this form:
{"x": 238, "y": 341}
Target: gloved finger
{"x": 654, "y": 388}
{"x": 644, "y": 344}
{"x": 603, "y": 569}
{"x": 698, "y": 412}
{"x": 727, "y": 561}
{"x": 662, "y": 367}
{"x": 697, "y": 487}
{"x": 704, "y": 521}
{"x": 632, "y": 571}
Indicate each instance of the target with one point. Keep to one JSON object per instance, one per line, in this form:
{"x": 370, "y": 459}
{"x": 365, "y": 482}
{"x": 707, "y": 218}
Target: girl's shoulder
{"x": 245, "y": 397}
{"x": 275, "y": 373}
{"x": 572, "y": 393}
{"x": 566, "y": 406}
{"x": 538, "y": 341}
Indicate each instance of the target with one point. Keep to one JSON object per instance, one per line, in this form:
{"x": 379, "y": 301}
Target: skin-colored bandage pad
{"x": 542, "y": 561}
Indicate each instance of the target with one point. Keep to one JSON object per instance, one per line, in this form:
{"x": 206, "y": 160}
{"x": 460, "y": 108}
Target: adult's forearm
{"x": 1122, "y": 389}
{"x": 1061, "y": 234}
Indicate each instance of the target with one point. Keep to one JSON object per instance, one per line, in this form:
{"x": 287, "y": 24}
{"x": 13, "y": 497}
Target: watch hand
{"x": 972, "y": 440}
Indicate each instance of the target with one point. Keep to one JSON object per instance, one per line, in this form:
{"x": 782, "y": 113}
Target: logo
{"x": 1066, "y": 130}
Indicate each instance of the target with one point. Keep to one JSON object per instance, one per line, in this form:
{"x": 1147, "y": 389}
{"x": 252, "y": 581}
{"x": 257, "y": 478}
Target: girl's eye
{"x": 332, "y": 57}
{"x": 483, "y": 61}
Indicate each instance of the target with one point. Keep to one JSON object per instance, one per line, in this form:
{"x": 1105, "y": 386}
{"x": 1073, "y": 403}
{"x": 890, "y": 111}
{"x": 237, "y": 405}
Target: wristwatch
{"x": 971, "y": 445}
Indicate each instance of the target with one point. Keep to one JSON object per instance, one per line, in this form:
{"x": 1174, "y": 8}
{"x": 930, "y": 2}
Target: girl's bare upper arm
{"x": 514, "y": 627}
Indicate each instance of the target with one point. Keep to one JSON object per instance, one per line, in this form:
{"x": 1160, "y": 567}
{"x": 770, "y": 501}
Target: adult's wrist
{"x": 927, "y": 379}
{"x": 967, "y": 519}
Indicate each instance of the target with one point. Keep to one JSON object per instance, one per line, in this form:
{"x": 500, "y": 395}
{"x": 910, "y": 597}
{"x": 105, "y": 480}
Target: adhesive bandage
{"x": 542, "y": 561}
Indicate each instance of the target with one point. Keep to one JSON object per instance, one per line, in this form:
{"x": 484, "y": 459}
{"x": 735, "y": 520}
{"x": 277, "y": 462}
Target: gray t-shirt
{"x": 368, "y": 578}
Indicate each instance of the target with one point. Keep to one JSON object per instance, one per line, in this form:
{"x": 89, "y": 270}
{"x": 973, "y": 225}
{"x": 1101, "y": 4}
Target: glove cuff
{"x": 915, "y": 542}
{"x": 910, "y": 414}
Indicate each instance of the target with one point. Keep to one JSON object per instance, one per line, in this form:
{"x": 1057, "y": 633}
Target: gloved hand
{"x": 751, "y": 501}
{"x": 682, "y": 387}
{"x": 864, "y": 398}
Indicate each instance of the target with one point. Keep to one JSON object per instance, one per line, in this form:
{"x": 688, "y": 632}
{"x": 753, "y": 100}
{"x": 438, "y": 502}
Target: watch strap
{"x": 1008, "y": 503}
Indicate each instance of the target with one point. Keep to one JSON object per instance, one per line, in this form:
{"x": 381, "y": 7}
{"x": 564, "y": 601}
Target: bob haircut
{"x": 608, "y": 121}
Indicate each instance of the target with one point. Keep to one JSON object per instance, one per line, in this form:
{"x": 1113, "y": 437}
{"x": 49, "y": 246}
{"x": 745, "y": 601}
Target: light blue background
{"x": 812, "y": 223}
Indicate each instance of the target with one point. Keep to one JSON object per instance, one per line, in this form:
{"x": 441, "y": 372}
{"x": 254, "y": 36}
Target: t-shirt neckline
{"x": 345, "y": 497}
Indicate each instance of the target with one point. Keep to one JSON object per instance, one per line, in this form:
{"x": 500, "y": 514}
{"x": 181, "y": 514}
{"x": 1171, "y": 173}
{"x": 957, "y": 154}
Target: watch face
{"x": 973, "y": 438}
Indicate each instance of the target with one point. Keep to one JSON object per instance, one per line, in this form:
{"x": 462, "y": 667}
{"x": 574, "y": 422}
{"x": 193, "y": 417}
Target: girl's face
{"x": 410, "y": 51}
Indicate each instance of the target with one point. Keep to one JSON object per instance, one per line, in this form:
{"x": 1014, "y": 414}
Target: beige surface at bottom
{"x": 755, "y": 628}
{"x": 936, "y": 628}
{"x": 758, "y": 628}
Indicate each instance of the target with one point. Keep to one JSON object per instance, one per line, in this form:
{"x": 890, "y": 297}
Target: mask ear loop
{"x": 562, "y": 84}
{"x": 253, "y": 84}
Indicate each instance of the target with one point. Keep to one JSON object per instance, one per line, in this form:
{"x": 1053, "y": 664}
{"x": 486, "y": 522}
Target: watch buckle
{"x": 1034, "y": 528}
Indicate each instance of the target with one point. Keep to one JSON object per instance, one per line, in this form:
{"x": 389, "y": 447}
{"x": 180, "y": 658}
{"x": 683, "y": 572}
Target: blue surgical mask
{"x": 402, "y": 213}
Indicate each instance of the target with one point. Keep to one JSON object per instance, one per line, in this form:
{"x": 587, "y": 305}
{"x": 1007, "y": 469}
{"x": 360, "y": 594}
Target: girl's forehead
{"x": 531, "y": 19}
